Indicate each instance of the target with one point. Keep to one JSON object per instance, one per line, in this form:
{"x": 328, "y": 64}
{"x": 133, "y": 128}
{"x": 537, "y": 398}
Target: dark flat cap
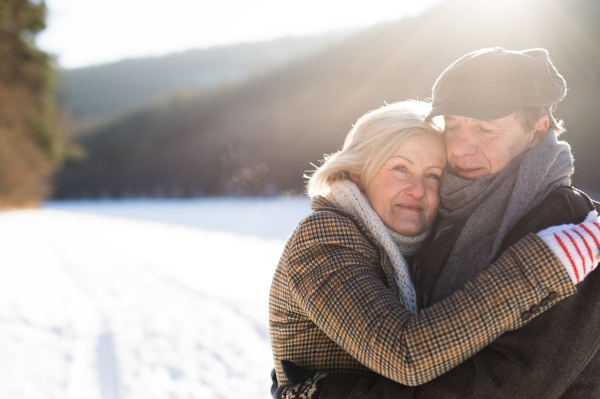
{"x": 493, "y": 83}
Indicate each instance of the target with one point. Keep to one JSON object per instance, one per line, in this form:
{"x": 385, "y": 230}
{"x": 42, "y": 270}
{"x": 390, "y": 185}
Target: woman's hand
{"x": 577, "y": 246}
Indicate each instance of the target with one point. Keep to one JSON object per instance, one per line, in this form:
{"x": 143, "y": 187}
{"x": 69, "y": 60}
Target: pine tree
{"x": 30, "y": 140}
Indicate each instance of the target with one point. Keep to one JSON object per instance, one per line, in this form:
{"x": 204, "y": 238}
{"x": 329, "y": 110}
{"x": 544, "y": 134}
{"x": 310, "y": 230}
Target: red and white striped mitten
{"x": 577, "y": 246}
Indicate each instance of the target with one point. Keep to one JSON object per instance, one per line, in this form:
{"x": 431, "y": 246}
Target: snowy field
{"x": 140, "y": 299}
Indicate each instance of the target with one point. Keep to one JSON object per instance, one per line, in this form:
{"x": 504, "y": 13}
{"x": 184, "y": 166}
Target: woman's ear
{"x": 356, "y": 180}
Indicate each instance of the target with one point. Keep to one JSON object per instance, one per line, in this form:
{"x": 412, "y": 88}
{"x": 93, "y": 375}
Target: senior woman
{"x": 342, "y": 299}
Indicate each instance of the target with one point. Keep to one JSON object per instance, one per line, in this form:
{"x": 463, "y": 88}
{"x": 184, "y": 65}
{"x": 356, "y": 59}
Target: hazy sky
{"x": 87, "y": 32}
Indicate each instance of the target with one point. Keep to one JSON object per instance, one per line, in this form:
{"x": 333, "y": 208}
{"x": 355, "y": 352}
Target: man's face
{"x": 478, "y": 148}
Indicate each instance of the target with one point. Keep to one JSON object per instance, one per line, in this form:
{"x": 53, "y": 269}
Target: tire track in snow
{"x": 106, "y": 363}
{"x": 106, "y": 360}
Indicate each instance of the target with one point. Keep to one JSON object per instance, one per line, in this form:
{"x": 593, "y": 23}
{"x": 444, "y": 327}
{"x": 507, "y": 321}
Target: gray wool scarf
{"x": 493, "y": 205}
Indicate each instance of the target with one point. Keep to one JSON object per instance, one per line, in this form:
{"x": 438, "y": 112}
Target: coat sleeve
{"x": 333, "y": 277}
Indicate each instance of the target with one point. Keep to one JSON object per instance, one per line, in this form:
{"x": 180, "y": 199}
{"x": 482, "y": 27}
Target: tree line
{"x": 262, "y": 136}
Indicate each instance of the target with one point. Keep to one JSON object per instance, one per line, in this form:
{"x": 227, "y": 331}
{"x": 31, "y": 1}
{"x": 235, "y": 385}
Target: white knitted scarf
{"x": 347, "y": 196}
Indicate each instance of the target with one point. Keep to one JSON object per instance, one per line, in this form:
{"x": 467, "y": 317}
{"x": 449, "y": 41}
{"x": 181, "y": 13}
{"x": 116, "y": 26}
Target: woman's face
{"x": 405, "y": 192}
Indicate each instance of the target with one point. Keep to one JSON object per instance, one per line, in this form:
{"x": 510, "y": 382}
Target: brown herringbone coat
{"x": 334, "y": 306}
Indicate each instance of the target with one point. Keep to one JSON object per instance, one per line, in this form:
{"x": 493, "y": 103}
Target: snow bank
{"x": 262, "y": 217}
{"x": 100, "y": 307}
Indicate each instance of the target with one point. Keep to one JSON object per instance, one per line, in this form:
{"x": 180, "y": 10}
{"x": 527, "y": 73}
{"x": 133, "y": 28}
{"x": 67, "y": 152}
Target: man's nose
{"x": 461, "y": 143}
{"x": 416, "y": 189}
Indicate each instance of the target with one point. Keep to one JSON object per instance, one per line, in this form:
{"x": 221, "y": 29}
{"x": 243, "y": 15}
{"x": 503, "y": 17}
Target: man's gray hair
{"x": 528, "y": 116}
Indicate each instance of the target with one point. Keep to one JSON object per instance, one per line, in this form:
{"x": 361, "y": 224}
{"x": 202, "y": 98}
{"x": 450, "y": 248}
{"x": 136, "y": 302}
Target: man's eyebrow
{"x": 495, "y": 122}
{"x": 453, "y": 118}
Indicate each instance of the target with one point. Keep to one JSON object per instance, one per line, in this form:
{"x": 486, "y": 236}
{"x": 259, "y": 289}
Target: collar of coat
{"x": 320, "y": 204}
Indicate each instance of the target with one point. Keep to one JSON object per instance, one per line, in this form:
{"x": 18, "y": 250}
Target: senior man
{"x": 507, "y": 176}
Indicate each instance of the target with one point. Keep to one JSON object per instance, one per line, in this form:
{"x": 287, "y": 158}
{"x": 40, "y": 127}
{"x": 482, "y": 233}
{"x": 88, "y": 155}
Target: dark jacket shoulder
{"x": 562, "y": 206}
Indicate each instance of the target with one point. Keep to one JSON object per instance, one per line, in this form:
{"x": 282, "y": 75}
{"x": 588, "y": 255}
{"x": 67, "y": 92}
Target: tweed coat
{"x": 334, "y": 305}
{"x": 555, "y": 355}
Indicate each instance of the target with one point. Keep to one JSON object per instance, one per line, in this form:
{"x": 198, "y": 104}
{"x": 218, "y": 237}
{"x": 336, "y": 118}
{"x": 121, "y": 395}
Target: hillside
{"x": 260, "y": 137}
{"x": 106, "y": 90}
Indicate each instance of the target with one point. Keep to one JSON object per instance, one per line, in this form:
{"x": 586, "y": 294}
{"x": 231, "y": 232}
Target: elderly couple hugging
{"x": 446, "y": 262}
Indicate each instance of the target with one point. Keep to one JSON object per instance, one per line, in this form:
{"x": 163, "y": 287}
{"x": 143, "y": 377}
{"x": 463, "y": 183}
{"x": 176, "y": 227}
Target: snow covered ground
{"x": 98, "y": 306}
{"x": 263, "y": 217}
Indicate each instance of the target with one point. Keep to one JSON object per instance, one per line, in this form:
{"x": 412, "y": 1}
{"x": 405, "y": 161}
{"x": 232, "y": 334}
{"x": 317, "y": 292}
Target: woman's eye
{"x": 401, "y": 169}
{"x": 435, "y": 177}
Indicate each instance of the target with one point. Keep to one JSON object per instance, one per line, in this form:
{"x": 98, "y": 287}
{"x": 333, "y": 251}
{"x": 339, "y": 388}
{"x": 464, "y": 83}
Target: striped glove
{"x": 577, "y": 246}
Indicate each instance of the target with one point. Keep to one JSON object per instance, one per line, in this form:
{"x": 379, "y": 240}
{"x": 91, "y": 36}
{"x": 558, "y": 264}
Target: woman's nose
{"x": 416, "y": 188}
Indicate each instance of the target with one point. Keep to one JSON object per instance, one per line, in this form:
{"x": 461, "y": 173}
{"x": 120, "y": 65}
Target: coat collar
{"x": 320, "y": 203}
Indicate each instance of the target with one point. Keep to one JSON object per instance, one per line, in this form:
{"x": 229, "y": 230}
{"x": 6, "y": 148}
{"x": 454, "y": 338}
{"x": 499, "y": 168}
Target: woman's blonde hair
{"x": 371, "y": 142}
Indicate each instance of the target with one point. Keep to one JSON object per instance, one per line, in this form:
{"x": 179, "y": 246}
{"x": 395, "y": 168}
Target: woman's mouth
{"x": 410, "y": 207}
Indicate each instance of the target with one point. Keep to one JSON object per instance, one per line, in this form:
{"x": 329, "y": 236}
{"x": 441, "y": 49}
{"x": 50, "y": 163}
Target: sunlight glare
{"x": 86, "y": 32}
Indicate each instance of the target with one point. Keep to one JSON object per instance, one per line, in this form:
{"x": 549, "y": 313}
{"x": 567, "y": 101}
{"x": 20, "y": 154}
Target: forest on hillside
{"x": 259, "y": 137}
{"x": 96, "y": 93}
